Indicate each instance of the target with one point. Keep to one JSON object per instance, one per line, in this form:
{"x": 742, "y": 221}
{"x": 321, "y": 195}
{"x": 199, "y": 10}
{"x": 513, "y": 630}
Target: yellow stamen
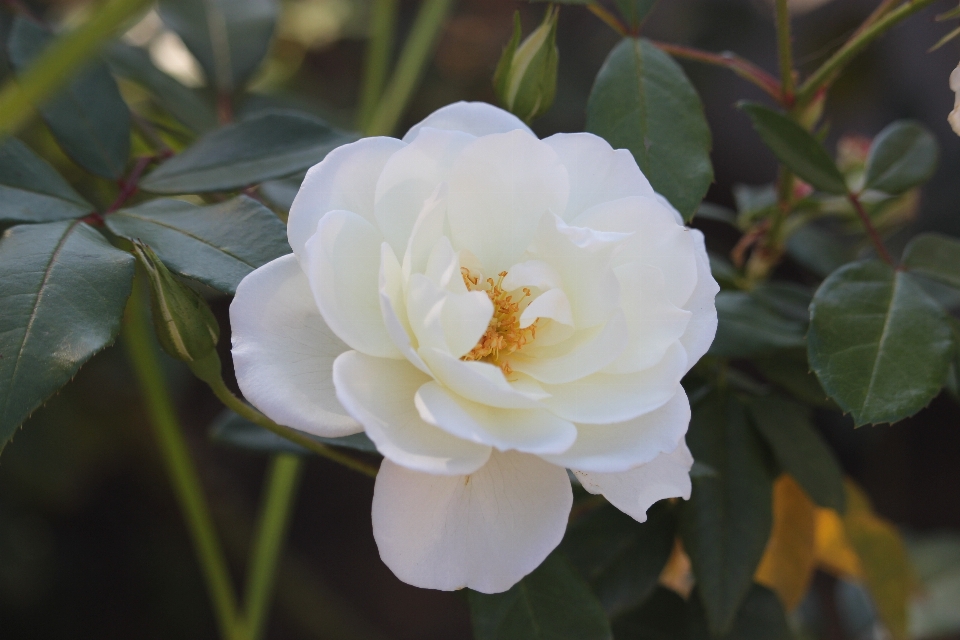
{"x": 503, "y": 335}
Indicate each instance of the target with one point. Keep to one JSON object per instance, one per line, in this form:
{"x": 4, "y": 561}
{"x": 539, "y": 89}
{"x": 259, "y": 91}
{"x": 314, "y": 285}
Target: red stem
{"x": 871, "y": 230}
{"x": 740, "y": 66}
{"x": 130, "y": 185}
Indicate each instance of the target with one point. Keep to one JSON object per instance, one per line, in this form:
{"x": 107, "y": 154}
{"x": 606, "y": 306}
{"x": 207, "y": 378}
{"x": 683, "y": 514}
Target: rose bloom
{"x": 492, "y": 310}
{"x": 954, "y": 117}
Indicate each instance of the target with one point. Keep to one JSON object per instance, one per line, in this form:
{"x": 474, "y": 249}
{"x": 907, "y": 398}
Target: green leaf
{"x": 642, "y": 101}
{"x": 88, "y": 117}
{"x": 229, "y": 38}
{"x": 552, "y": 603}
{"x": 635, "y": 11}
{"x": 936, "y": 256}
{"x": 903, "y": 155}
{"x": 62, "y": 293}
{"x": 270, "y": 145}
{"x": 621, "y": 558}
{"x": 727, "y": 521}
{"x": 761, "y": 617}
{"x": 769, "y": 318}
{"x": 230, "y": 428}
{"x": 281, "y": 192}
{"x": 787, "y": 427}
{"x": 790, "y": 370}
{"x": 183, "y": 103}
{"x": 217, "y": 245}
{"x": 878, "y": 343}
{"x": 32, "y": 191}
{"x": 661, "y": 617}
{"x": 796, "y": 148}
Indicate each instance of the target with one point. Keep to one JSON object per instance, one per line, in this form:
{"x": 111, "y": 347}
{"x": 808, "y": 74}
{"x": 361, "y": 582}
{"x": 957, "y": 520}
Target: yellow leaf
{"x": 788, "y": 561}
{"x": 833, "y": 551}
{"x": 677, "y": 575}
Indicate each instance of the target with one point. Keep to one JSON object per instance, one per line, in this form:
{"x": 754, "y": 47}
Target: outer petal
{"x": 283, "y": 351}
{"x": 610, "y": 398}
{"x": 702, "y": 327}
{"x": 614, "y": 448}
{"x": 342, "y": 262}
{"x": 380, "y": 394}
{"x": 634, "y": 491}
{"x": 485, "y": 531}
{"x": 475, "y": 118}
{"x": 499, "y": 187}
{"x": 597, "y": 172}
{"x": 529, "y": 430}
{"x": 345, "y": 179}
{"x": 410, "y": 177}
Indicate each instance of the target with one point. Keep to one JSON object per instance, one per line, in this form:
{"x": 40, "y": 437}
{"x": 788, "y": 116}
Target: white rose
{"x": 954, "y": 117}
{"x": 492, "y": 309}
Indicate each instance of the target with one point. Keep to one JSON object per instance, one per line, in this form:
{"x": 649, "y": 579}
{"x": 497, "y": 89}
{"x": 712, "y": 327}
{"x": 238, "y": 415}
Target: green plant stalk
{"x": 244, "y": 410}
{"x": 54, "y": 67}
{"x": 413, "y": 60}
{"x": 785, "y": 51}
{"x": 138, "y": 340}
{"x": 274, "y": 520}
{"x": 825, "y": 74}
{"x": 382, "y": 30}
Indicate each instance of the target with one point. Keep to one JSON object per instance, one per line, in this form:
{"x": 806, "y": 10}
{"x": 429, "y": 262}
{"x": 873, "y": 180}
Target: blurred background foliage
{"x": 91, "y": 541}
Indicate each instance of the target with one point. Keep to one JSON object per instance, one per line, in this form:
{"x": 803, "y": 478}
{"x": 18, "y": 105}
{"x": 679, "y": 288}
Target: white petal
{"x": 499, "y": 187}
{"x": 635, "y": 491}
{"x": 582, "y": 258}
{"x": 613, "y": 448}
{"x": 604, "y": 398}
{"x": 485, "y": 531}
{"x": 654, "y": 322}
{"x": 597, "y": 172}
{"x": 450, "y": 322}
{"x": 393, "y": 308}
{"x": 585, "y": 353}
{"x": 410, "y": 177}
{"x": 552, "y": 304}
{"x": 658, "y": 240}
{"x": 529, "y": 430}
{"x": 535, "y": 274}
{"x": 380, "y": 394}
{"x": 702, "y": 327}
{"x": 427, "y": 231}
{"x": 283, "y": 351}
{"x": 345, "y": 179}
{"x": 481, "y": 382}
{"x": 342, "y": 262}
{"x": 475, "y": 118}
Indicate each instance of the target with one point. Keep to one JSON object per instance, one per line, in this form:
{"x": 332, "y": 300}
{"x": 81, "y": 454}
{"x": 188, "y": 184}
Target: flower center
{"x": 503, "y": 335}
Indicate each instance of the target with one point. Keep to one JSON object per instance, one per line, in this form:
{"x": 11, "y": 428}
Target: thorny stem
{"x": 871, "y": 230}
{"x": 743, "y": 68}
{"x": 785, "y": 51}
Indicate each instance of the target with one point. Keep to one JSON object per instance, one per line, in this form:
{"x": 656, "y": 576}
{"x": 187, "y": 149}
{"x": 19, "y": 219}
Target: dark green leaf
{"x": 790, "y": 370}
{"x": 183, "y": 103}
{"x": 235, "y": 430}
{"x": 642, "y": 101}
{"x": 769, "y": 318}
{"x": 903, "y": 156}
{"x": 935, "y": 256}
{"x": 878, "y": 343}
{"x": 552, "y": 603}
{"x": 217, "y": 245}
{"x": 88, "y": 117}
{"x": 661, "y": 617}
{"x": 635, "y": 11}
{"x": 269, "y": 145}
{"x": 32, "y": 191}
{"x": 620, "y": 557}
{"x": 727, "y": 521}
{"x": 788, "y": 428}
{"x": 761, "y": 617}
{"x": 229, "y": 38}
{"x": 821, "y": 249}
{"x": 566, "y": 1}
{"x": 281, "y": 192}
{"x": 62, "y": 293}
{"x": 796, "y": 148}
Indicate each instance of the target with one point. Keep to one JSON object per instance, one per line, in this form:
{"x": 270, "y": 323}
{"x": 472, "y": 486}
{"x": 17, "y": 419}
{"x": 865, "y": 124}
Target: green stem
{"x": 410, "y": 67}
{"x": 58, "y": 62}
{"x": 785, "y": 51}
{"x": 827, "y": 71}
{"x": 379, "y": 48}
{"x": 274, "y": 520}
{"x": 246, "y": 411}
{"x": 138, "y": 341}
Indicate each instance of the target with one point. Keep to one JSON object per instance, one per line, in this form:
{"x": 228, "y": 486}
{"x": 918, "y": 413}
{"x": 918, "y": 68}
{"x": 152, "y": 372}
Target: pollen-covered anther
{"x": 503, "y": 335}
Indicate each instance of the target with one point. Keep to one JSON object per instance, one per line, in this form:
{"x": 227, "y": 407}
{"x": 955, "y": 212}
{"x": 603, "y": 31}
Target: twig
{"x": 740, "y": 66}
{"x": 871, "y": 230}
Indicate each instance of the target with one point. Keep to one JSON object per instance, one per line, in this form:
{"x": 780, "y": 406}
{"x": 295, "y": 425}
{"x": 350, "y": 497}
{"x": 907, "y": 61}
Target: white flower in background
{"x": 954, "y": 117}
{"x": 491, "y": 309}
